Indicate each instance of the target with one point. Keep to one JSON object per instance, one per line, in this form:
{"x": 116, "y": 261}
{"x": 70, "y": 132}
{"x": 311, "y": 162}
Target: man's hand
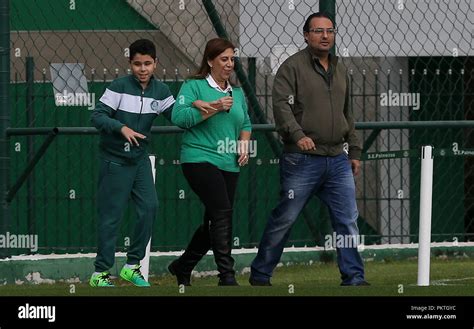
{"x": 306, "y": 144}
{"x": 355, "y": 164}
{"x": 131, "y": 135}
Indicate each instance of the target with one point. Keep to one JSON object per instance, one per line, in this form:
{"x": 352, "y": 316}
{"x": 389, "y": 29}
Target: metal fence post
{"x": 30, "y": 121}
{"x": 4, "y": 112}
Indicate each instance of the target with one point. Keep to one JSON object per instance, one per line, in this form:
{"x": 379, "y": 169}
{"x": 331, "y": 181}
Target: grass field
{"x": 454, "y": 277}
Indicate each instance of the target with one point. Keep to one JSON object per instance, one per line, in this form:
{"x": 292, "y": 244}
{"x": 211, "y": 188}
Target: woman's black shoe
{"x": 227, "y": 282}
{"x": 182, "y": 278}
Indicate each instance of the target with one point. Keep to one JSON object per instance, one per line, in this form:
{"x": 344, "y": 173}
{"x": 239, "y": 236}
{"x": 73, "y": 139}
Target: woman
{"x": 213, "y": 113}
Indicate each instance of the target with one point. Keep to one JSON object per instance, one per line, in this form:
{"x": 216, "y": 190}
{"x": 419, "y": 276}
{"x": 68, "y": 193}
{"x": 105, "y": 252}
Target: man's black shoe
{"x": 182, "y": 278}
{"x": 360, "y": 283}
{"x": 254, "y": 282}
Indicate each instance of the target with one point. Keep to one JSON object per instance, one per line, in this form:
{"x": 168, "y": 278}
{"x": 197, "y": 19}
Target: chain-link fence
{"x": 406, "y": 61}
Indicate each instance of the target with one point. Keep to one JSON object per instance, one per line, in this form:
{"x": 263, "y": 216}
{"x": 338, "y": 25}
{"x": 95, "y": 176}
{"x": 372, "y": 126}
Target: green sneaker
{"x": 101, "y": 280}
{"x": 134, "y": 276}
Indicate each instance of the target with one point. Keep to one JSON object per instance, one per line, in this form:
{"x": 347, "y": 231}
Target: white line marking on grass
{"x": 445, "y": 282}
{"x": 241, "y": 251}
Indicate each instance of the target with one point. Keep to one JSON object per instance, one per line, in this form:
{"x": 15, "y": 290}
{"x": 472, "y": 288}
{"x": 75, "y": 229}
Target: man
{"x": 124, "y": 117}
{"x": 310, "y": 105}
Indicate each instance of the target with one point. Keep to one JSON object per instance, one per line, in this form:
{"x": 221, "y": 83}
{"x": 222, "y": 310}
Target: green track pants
{"x": 118, "y": 183}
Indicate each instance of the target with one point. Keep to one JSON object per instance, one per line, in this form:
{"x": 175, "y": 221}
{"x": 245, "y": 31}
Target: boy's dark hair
{"x": 318, "y": 14}
{"x": 144, "y": 47}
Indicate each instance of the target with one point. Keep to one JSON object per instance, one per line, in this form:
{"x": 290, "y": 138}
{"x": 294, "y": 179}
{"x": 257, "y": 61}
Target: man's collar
{"x": 213, "y": 84}
{"x": 315, "y": 59}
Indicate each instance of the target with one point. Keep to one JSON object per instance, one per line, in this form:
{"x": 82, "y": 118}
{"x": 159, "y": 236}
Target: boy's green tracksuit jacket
{"x": 125, "y": 103}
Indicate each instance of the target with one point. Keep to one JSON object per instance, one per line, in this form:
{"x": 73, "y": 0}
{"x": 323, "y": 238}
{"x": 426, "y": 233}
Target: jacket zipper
{"x": 330, "y": 101}
{"x": 332, "y": 110}
{"x": 141, "y": 108}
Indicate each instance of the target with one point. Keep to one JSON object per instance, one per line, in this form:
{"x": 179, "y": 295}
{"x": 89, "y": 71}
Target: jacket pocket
{"x": 114, "y": 168}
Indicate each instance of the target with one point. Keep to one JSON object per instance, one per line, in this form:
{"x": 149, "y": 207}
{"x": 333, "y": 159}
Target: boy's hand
{"x": 131, "y": 135}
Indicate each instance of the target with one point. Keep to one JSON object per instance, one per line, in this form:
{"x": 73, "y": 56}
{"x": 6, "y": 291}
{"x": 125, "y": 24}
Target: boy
{"x": 124, "y": 116}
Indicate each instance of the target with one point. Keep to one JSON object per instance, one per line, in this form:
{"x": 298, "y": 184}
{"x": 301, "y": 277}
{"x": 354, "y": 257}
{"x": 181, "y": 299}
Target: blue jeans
{"x": 301, "y": 177}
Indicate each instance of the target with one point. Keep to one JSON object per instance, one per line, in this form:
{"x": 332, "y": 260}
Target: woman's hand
{"x": 223, "y": 104}
{"x": 243, "y": 159}
{"x": 204, "y": 106}
{"x": 243, "y": 150}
